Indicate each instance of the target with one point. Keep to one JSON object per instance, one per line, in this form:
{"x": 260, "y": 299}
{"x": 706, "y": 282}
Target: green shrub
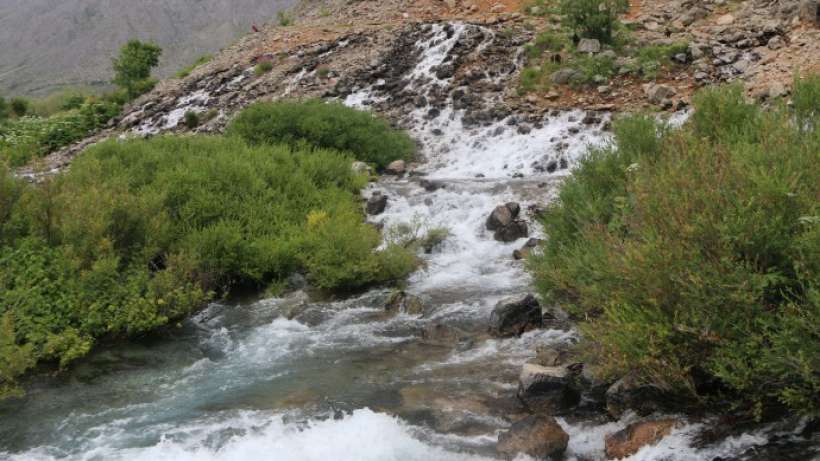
{"x": 695, "y": 252}
{"x": 139, "y": 233}
{"x": 650, "y": 59}
{"x": 323, "y": 125}
{"x": 594, "y": 69}
{"x": 283, "y": 19}
{"x": 263, "y": 68}
{"x": 546, "y": 41}
{"x": 191, "y": 120}
{"x": 593, "y": 18}
{"x": 19, "y": 106}
{"x": 4, "y": 109}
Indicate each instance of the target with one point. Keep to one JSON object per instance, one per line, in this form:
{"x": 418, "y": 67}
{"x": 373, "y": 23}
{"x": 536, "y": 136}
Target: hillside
{"x": 52, "y": 43}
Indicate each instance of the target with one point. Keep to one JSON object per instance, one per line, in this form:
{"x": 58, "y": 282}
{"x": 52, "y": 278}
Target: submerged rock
{"x": 376, "y": 204}
{"x": 515, "y": 316}
{"x": 547, "y": 390}
{"x": 628, "y": 441}
{"x": 401, "y": 301}
{"x": 537, "y": 436}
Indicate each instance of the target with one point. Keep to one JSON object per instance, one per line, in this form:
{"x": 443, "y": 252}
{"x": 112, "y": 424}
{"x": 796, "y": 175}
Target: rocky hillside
{"x": 52, "y": 43}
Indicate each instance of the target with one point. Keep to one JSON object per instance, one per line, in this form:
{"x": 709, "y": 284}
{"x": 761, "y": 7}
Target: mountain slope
{"x": 53, "y": 43}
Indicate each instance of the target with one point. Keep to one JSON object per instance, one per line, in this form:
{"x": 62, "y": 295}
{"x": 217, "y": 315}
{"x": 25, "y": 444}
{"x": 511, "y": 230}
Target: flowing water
{"x": 298, "y": 379}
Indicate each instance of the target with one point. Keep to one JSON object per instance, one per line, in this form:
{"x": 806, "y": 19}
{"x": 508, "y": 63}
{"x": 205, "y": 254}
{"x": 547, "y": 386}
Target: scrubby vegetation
{"x": 200, "y": 61}
{"x": 142, "y": 232}
{"x": 556, "y": 47}
{"x": 132, "y": 68}
{"x": 692, "y": 255}
{"x": 324, "y": 125}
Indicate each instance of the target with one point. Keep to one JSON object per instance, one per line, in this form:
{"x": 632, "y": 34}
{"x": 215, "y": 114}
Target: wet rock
{"x": 628, "y": 394}
{"x": 397, "y": 168}
{"x": 296, "y": 281}
{"x": 547, "y": 390}
{"x": 589, "y": 45}
{"x": 502, "y": 216}
{"x": 376, "y": 203}
{"x": 401, "y": 301}
{"x": 431, "y": 186}
{"x": 525, "y": 250}
{"x": 516, "y": 230}
{"x": 524, "y": 129}
{"x": 515, "y": 316}
{"x": 537, "y": 436}
{"x": 628, "y": 441}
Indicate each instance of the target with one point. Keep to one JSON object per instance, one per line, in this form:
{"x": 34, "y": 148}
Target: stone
{"x": 515, "y": 316}
{"x": 631, "y": 439}
{"x": 628, "y": 394}
{"x": 376, "y": 204}
{"x": 589, "y": 45}
{"x": 431, "y": 185}
{"x": 540, "y": 437}
{"x": 397, "y": 168}
{"x": 725, "y": 20}
{"x": 501, "y": 216}
{"x": 547, "y": 389}
{"x": 563, "y": 76}
{"x": 810, "y": 11}
{"x": 516, "y": 230}
{"x": 775, "y": 43}
{"x": 401, "y": 301}
{"x": 525, "y": 250}
{"x": 658, "y": 93}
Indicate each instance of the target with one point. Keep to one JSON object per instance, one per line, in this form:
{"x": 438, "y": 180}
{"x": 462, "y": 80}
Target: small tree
{"x": 593, "y": 18}
{"x": 132, "y": 68}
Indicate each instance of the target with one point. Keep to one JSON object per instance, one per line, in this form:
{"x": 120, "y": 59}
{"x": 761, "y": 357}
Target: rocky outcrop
{"x": 547, "y": 390}
{"x": 503, "y": 221}
{"x": 537, "y": 436}
{"x": 376, "y": 204}
{"x": 515, "y": 316}
{"x": 630, "y": 440}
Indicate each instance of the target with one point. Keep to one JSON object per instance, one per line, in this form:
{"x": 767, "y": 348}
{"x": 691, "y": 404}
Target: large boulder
{"x": 589, "y": 45}
{"x": 514, "y": 316}
{"x": 563, "y": 76}
{"x": 628, "y": 441}
{"x": 659, "y": 93}
{"x": 376, "y": 203}
{"x": 503, "y": 221}
{"x": 547, "y": 390}
{"x": 518, "y": 229}
{"x": 537, "y": 436}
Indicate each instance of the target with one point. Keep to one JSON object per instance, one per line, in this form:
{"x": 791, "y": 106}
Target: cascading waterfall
{"x": 289, "y": 378}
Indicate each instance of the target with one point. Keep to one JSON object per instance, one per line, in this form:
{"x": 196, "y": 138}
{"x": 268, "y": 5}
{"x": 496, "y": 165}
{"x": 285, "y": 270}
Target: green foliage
{"x": 546, "y": 41}
{"x": 4, "y": 109}
{"x": 650, "y": 59}
{"x": 191, "y": 120}
{"x": 593, "y": 18}
{"x": 696, "y": 250}
{"x": 19, "y": 106}
{"x": 25, "y": 138}
{"x": 263, "y": 68}
{"x": 200, "y": 61}
{"x": 284, "y": 19}
{"x": 132, "y": 68}
{"x": 139, "y": 233}
{"x": 594, "y": 69}
{"x": 323, "y": 125}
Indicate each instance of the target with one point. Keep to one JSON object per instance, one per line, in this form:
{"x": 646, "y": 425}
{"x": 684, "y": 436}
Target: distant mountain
{"x": 46, "y": 44}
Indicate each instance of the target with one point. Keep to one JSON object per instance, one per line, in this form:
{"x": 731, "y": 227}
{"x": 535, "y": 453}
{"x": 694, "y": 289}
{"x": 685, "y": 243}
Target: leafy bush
{"x": 19, "y": 106}
{"x": 546, "y": 41}
{"x": 594, "y": 69}
{"x": 4, "y": 109}
{"x": 141, "y": 232}
{"x": 650, "y": 59}
{"x": 132, "y": 68}
{"x": 263, "y": 68}
{"x": 323, "y": 125}
{"x": 284, "y": 19}
{"x": 695, "y": 252}
{"x": 191, "y": 120}
{"x": 593, "y": 18}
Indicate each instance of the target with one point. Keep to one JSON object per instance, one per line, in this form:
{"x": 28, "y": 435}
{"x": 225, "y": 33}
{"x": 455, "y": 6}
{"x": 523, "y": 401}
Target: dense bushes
{"x": 696, "y": 252}
{"x": 138, "y": 233}
{"x": 324, "y": 125}
{"x": 593, "y": 18}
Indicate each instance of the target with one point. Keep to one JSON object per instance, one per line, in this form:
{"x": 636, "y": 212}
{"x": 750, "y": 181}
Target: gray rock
{"x": 401, "y": 301}
{"x": 516, "y": 230}
{"x": 540, "y": 437}
{"x": 629, "y": 394}
{"x": 376, "y": 203}
{"x": 501, "y": 217}
{"x": 810, "y": 11}
{"x": 589, "y": 45}
{"x": 658, "y": 93}
{"x": 515, "y": 316}
{"x": 547, "y": 389}
{"x": 563, "y": 76}
{"x": 397, "y": 167}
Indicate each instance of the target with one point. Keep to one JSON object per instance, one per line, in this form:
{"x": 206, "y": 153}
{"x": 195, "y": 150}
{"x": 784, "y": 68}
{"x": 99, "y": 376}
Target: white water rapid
{"x": 289, "y": 379}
